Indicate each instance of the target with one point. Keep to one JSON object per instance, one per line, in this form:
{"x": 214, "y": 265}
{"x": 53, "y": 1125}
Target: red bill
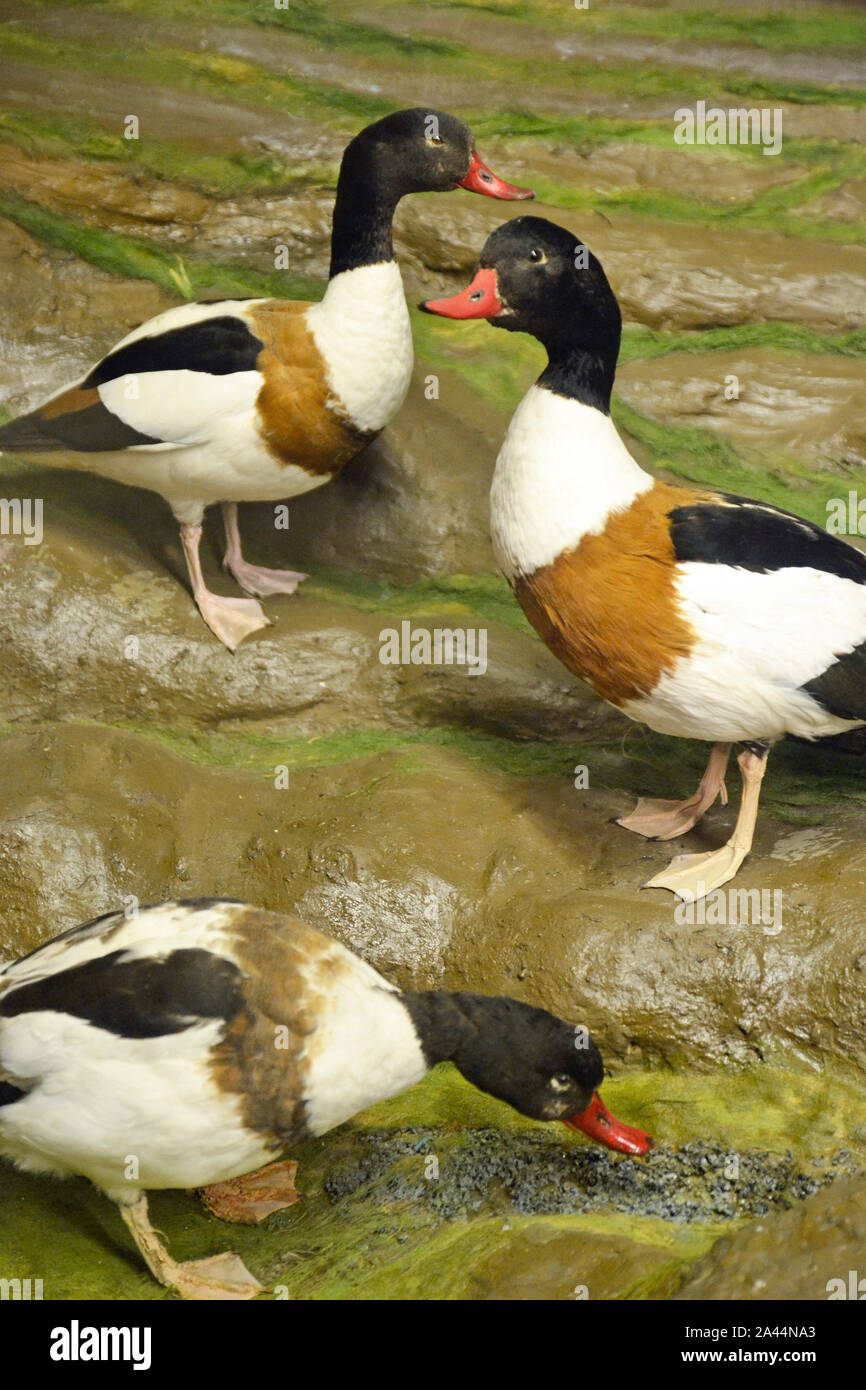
{"x": 480, "y": 300}
{"x": 480, "y": 179}
{"x": 597, "y": 1121}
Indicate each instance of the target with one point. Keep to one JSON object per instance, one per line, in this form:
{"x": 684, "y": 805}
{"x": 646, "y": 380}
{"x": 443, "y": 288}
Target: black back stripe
{"x": 139, "y": 997}
{"x": 9, "y": 1093}
{"x": 841, "y": 689}
{"x": 749, "y": 535}
{"x": 96, "y": 429}
{"x": 92, "y": 430}
{"x": 219, "y": 346}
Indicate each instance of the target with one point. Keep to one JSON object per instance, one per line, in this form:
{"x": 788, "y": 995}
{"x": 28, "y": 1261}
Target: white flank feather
{"x": 761, "y": 637}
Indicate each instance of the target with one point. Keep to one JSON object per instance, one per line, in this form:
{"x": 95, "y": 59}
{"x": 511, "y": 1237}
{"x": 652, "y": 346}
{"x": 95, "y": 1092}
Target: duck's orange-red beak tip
{"x": 480, "y": 179}
{"x": 480, "y": 300}
{"x": 599, "y": 1124}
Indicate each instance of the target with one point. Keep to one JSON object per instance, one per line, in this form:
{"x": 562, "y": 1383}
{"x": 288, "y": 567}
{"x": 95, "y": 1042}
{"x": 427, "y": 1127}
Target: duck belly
{"x": 721, "y": 700}
{"x": 235, "y": 466}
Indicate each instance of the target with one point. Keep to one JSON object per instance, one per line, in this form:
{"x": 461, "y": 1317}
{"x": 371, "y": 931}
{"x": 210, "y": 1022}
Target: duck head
{"x": 543, "y": 1067}
{"x": 414, "y": 151}
{"x": 420, "y": 150}
{"x": 537, "y": 277}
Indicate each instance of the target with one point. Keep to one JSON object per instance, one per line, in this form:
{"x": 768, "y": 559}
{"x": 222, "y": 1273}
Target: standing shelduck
{"x": 260, "y": 399}
{"x": 206, "y": 1037}
{"x": 700, "y": 613}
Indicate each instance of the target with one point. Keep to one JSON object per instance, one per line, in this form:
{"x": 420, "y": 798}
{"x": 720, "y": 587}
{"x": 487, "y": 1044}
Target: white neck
{"x": 561, "y": 471}
{"x": 362, "y": 330}
{"x": 369, "y": 1049}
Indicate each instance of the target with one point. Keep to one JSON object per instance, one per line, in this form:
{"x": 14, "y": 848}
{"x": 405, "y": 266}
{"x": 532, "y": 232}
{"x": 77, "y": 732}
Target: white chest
{"x": 362, "y": 330}
{"x": 561, "y": 471}
{"x": 364, "y": 1050}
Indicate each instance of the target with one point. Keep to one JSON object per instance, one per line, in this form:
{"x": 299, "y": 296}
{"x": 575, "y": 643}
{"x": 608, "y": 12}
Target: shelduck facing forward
{"x": 207, "y": 1037}
{"x": 260, "y": 399}
{"x": 700, "y": 613}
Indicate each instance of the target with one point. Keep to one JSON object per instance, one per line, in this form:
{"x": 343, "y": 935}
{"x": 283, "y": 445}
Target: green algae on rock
{"x": 450, "y": 1230}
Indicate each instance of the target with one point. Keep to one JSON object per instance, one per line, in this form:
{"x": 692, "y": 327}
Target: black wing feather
{"x": 841, "y": 689}
{"x": 218, "y": 346}
{"x": 755, "y": 536}
{"x": 9, "y": 1093}
{"x": 94, "y": 430}
{"x": 138, "y": 997}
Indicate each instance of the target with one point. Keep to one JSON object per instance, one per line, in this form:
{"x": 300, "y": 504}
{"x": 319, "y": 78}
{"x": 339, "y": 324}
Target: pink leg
{"x": 664, "y": 820}
{"x": 254, "y": 578}
{"x": 229, "y": 619}
{"x": 219, "y": 1277}
{"x": 693, "y": 876}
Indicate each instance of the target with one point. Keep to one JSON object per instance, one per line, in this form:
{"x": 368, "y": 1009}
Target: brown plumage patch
{"x": 288, "y": 965}
{"x": 69, "y": 402}
{"x": 608, "y": 608}
{"x": 296, "y": 421}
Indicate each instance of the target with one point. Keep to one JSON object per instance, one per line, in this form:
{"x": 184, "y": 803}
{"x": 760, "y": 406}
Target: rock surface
{"x": 539, "y": 901}
{"x": 804, "y": 405}
{"x": 823, "y": 1240}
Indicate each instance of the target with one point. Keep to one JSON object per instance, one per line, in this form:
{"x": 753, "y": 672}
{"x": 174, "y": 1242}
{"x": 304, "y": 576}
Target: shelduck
{"x": 700, "y": 613}
{"x": 262, "y": 399}
{"x": 206, "y": 1037}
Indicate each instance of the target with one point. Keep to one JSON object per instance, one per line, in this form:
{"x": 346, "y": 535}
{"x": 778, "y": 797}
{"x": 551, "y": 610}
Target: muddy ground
{"x": 454, "y": 830}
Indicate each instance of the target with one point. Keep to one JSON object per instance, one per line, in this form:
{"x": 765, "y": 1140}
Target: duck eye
{"x": 537, "y": 255}
{"x": 435, "y": 139}
{"x": 562, "y": 1082}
